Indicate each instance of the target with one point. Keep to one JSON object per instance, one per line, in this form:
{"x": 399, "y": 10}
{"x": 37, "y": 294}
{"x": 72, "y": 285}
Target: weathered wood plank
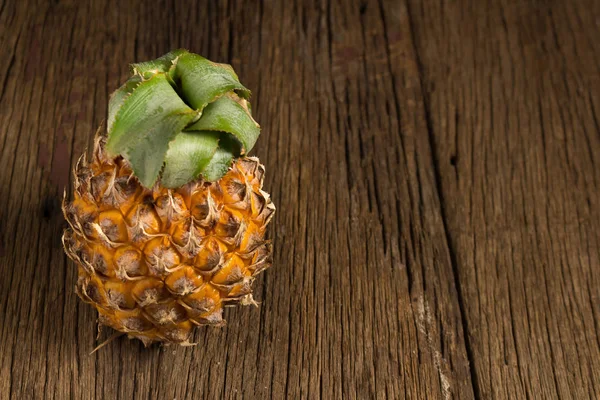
{"x": 370, "y": 112}
{"x": 513, "y": 99}
{"x": 361, "y": 302}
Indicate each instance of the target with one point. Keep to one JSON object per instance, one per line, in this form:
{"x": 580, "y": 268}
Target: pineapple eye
{"x": 167, "y": 313}
{"x": 129, "y": 263}
{"x": 184, "y": 281}
{"x": 161, "y": 257}
{"x": 149, "y": 291}
{"x": 113, "y": 226}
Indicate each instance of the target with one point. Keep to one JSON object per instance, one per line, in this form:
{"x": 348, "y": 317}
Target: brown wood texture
{"x": 436, "y": 169}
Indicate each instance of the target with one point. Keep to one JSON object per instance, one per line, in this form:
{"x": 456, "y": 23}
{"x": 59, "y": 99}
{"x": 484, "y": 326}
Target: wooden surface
{"x": 436, "y": 168}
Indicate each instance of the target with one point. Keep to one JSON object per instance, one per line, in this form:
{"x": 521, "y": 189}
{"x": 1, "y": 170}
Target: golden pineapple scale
{"x": 157, "y": 262}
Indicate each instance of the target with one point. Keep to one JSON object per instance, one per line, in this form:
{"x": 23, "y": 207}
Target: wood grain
{"x": 435, "y": 167}
{"x": 512, "y": 104}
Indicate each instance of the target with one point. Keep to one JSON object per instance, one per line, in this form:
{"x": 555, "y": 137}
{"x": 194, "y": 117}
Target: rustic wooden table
{"x": 436, "y": 168}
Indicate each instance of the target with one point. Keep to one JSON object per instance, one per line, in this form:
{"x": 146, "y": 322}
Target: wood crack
{"x": 449, "y": 242}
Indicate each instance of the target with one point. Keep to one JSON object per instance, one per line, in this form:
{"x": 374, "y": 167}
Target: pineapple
{"x": 168, "y": 219}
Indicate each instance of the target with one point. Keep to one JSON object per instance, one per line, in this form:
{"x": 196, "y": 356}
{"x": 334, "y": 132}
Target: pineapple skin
{"x": 157, "y": 262}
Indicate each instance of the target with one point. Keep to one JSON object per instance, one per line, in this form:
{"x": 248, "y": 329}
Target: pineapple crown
{"x": 179, "y": 117}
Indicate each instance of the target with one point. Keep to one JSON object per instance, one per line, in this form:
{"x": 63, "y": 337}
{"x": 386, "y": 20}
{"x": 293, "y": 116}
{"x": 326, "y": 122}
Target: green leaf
{"x": 201, "y": 81}
{"x": 147, "y": 121}
{"x": 227, "y": 114}
{"x": 183, "y": 112}
{"x": 118, "y": 97}
{"x": 189, "y": 153}
{"x": 161, "y": 64}
{"x": 221, "y": 161}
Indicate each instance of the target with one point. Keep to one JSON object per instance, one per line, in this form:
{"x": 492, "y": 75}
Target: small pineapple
{"x": 168, "y": 219}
